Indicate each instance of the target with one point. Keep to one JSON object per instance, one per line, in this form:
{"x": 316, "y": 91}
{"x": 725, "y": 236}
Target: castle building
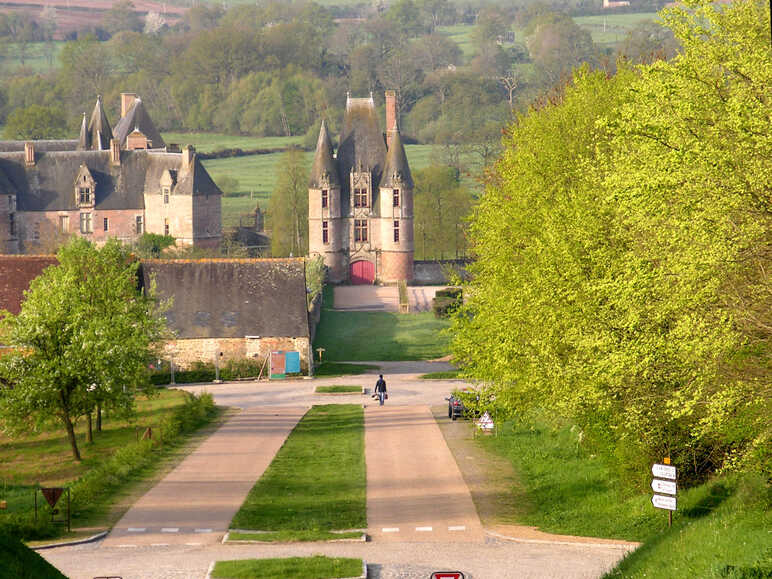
{"x": 360, "y": 200}
{"x": 117, "y": 183}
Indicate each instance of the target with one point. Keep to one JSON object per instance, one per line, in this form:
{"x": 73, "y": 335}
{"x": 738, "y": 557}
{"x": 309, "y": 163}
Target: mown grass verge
{"x": 721, "y": 528}
{"x": 17, "y": 561}
{"x": 114, "y": 462}
{"x": 338, "y": 389}
{"x": 294, "y": 536}
{"x": 331, "y": 369}
{"x": 316, "y": 483}
{"x": 447, "y": 375}
{"x": 289, "y": 568}
{"x": 355, "y": 336}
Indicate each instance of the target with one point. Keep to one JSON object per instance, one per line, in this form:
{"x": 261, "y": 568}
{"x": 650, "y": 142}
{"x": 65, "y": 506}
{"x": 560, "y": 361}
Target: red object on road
{"x": 447, "y": 575}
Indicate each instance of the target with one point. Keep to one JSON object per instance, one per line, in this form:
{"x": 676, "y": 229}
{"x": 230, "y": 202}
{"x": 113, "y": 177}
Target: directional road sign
{"x": 662, "y": 502}
{"x": 663, "y": 471}
{"x": 663, "y": 486}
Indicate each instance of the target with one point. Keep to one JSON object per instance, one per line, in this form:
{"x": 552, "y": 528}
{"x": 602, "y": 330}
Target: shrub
{"x": 447, "y": 301}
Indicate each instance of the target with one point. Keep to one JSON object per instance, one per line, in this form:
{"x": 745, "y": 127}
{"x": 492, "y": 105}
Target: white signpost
{"x": 666, "y": 487}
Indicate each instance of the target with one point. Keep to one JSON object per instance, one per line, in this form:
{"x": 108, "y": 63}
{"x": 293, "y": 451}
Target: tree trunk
{"x": 71, "y": 437}
{"x": 99, "y": 417}
{"x": 89, "y": 432}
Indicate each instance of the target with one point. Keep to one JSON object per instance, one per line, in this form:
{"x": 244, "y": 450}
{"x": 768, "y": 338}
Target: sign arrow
{"x": 663, "y": 471}
{"x": 663, "y": 486}
{"x": 668, "y": 503}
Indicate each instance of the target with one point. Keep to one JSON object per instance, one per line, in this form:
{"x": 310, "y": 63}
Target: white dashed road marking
{"x": 159, "y": 544}
{"x": 390, "y": 530}
{"x": 457, "y": 528}
{"x": 170, "y": 530}
{"x": 203, "y": 531}
{"x": 423, "y": 529}
{"x": 127, "y": 546}
{"x": 137, "y": 529}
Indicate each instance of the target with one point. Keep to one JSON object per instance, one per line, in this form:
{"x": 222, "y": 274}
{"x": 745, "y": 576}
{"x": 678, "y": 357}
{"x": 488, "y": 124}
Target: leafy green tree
{"x": 83, "y": 337}
{"x": 151, "y": 245}
{"x": 288, "y": 208}
{"x": 557, "y": 45}
{"x": 122, "y": 16}
{"x": 441, "y": 208}
{"x": 35, "y": 122}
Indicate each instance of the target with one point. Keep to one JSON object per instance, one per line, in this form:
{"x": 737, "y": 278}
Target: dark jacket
{"x": 380, "y": 385}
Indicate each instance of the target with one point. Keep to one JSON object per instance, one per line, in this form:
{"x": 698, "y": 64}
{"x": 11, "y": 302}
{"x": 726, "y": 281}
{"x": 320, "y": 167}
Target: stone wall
{"x": 436, "y": 272}
{"x": 188, "y": 351}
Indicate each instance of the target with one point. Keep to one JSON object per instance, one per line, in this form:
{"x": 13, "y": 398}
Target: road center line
{"x": 457, "y": 528}
{"x": 423, "y": 529}
{"x": 170, "y": 530}
{"x": 390, "y": 530}
{"x": 137, "y": 529}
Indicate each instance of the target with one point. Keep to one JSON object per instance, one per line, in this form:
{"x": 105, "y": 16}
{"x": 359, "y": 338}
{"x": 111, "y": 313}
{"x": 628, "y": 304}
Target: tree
{"x": 557, "y": 45}
{"x": 83, "y": 337}
{"x": 122, "y": 16}
{"x": 36, "y": 122}
{"x": 288, "y": 208}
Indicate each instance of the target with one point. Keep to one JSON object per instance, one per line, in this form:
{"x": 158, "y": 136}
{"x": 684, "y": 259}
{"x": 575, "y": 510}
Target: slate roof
{"x": 361, "y": 145}
{"x": 49, "y": 184}
{"x": 99, "y": 132}
{"x": 232, "y": 298}
{"x": 137, "y": 118}
{"x": 324, "y": 172}
{"x": 40, "y": 146}
{"x": 16, "y": 273}
{"x": 396, "y": 171}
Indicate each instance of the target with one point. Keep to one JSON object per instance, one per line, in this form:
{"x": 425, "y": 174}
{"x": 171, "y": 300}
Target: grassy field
{"x": 612, "y": 28}
{"x": 723, "y": 523}
{"x": 316, "y": 483}
{"x": 342, "y": 369}
{"x": 289, "y": 568}
{"x": 360, "y": 336}
{"x": 461, "y": 34}
{"x": 38, "y": 57}
{"x": 212, "y": 142}
{"x": 338, "y": 389}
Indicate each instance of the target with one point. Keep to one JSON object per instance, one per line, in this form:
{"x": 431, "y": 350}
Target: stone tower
{"x": 361, "y": 200}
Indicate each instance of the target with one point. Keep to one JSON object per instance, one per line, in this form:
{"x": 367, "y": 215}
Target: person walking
{"x": 380, "y": 389}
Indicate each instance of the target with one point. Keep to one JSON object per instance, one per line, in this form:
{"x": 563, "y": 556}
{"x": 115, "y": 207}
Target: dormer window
{"x": 165, "y": 192}
{"x": 325, "y": 198}
{"x": 360, "y": 198}
{"x": 85, "y": 187}
{"x": 395, "y": 197}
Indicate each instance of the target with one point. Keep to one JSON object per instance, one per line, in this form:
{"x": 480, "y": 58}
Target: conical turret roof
{"x": 99, "y": 131}
{"x": 324, "y": 172}
{"x": 396, "y": 171}
{"x": 83, "y": 140}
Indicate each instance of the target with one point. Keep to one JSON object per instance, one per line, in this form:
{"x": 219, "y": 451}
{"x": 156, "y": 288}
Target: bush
{"x": 446, "y": 302}
{"x": 17, "y": 561}
{"x": 205, "y": 372}
{"x": 24, "y": 525}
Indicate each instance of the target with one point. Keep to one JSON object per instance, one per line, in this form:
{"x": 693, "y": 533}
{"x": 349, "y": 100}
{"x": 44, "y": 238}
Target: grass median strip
{"x": 289, "y": 568}
{"x": 316, "y": 483}
{"x": 338, "y": 389}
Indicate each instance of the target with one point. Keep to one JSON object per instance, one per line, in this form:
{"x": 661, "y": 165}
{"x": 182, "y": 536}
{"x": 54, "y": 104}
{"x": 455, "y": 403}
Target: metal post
{"x": 216, "y": 368}
{"x": 171, "y": 367}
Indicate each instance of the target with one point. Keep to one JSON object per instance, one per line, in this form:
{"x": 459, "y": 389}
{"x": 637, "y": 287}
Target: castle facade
{"x": 360, "y": 199}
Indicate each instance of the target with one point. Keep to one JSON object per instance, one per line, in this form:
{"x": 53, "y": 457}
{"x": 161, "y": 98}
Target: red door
{"x": 362, "y": 272}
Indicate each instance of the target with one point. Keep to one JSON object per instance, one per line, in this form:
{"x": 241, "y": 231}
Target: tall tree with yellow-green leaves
{"x": 623, "y": 252}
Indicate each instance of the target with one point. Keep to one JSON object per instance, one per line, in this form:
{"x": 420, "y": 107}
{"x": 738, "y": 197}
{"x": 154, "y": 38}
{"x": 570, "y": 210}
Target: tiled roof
{"x": 324, "y": 173}
{"x": 396, "y": 171}
{"x": 16, "y": 273}
{"x": 137, "y": 118}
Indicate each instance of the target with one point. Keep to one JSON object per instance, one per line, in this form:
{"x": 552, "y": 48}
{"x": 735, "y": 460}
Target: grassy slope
{"x": 211, "y": 142}
{"x": 289, "y": 568}
{"x": 19, "y": 562}
{"x": 317, "y": 479}
{"x": 359, "y": 336}
{"x": 724, "y": 522}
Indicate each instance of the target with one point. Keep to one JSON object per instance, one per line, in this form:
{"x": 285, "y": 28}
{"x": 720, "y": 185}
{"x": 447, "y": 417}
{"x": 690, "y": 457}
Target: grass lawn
{"x": 290, "y": 568}
{"x": 722, "y": 523}
{"x": 358, "y": 336}
{"x": 342, "y": 369}
{"x": 338, "y": 389}
{"x": 212, "y": 142}
{"x": 461, "y": 34}
{"x": 294, "y": 536}
{"x": 612, "y": 28}
{"x": 316, "y": 482}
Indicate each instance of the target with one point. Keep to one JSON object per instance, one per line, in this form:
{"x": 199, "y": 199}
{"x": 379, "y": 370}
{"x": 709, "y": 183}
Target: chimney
{"x": 391, "y": 115}
{"x": 127, "y": 100}
{"x": 29, "y": 154}
{"x": 115, "y": 152}
{"x": 188, "y": 154}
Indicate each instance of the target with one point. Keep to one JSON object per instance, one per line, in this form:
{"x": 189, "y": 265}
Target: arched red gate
{"x": 362, "y": 272}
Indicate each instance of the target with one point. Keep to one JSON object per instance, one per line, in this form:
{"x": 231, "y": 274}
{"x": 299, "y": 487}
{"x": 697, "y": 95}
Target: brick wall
{"x": 188, "y": 351}
{"x": 396, "y": 266}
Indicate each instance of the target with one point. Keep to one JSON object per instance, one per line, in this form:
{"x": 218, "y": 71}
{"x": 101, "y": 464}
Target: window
{"x": 166, "y": 226}
{"x": 395, "y": 198}
{"x": 138, "y": 227}
{"x": 324, "y": 198}
{"x": 64, "y": 223}
{"x": 165, "y": 192}
{"x": 360, "y": 230}
{"x": 11, "y": 208}
{"x": 396, "y": 231}
{"x": 360, "y": 197}
{"x": 106, "y": 224}
{"x": 36, "y": 231}
{"x": 85, "y": 195}
{"x": 11, "y": 225}
{"x": 85, "y": 223}
{"x": 325, "y": 233}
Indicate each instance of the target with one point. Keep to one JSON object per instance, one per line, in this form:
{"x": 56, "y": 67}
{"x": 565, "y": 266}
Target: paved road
{"x": 393, "y": 498}
{"x": 383, "y": 298}
{"x": 415, "y": 491}
{"x": 197, "y": 500}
